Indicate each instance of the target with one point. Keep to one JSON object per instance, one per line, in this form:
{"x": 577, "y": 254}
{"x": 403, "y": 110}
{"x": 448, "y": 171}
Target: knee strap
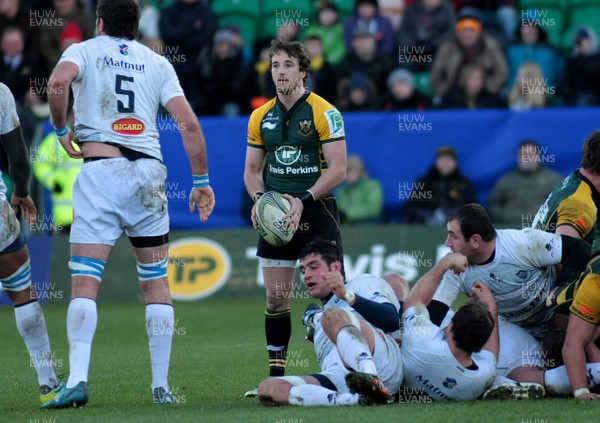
{"x": 86, "y": 266}
{"x": 19, "y": 280}
{"x": 149, "y": 271}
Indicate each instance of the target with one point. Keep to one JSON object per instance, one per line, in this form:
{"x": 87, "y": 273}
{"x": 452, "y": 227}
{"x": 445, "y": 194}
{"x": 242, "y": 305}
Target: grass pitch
{"x": 218, "y": 354}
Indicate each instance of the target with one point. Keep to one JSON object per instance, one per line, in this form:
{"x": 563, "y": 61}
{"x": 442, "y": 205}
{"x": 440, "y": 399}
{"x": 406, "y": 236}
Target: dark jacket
{"x": 422, "y": 31}
{"x": 190, "y": 26}
{"x": 581, "y": 81}
{"x": 416, "y": 101}
{"x": 517, "y": 195}
{"x": 21, "y": 78}
{"x": 384, "y": 32}
{"x": 221, "y": 81}
{"x": 435, "y": 196}
{"x": 376, "y": 69}
{"x": 457, "y": 99}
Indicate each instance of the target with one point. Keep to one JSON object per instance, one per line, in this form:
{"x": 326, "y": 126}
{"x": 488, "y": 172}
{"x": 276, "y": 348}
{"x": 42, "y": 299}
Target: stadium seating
{"x": 276, "y": 13}
{"x": 540, "y": 4}
{"x": 584, "y": 12}
{"x": 242, "y": 13}
{"x": 345, "y": 7}
{"x": 584, "y": 3}
{"x": 551, "y": 15}
{"x": 422, "y": 82}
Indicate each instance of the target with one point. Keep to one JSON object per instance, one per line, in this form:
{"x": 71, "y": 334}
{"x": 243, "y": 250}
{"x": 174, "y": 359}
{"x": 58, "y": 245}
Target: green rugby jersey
{"x": 574, "y": 203}
{"x": 293, "y": 141}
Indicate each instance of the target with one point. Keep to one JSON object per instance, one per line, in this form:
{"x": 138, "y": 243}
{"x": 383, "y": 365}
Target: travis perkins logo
{"x": 128, "y": 126}
{"x": 289, "y": 162}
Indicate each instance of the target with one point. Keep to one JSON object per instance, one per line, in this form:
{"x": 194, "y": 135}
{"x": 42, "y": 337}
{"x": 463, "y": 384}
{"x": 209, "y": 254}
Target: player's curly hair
{"x": 473, "y": 219}
{"x": 330, "y": 251}
{"x": 121, "y": 17}
{"x": 293, "y": 49}
{"x": 591, "y": 153}
{"x": 472, "y": 325}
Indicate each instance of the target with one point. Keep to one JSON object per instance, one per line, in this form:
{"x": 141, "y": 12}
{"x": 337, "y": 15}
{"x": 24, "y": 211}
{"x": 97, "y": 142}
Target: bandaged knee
{"x": 19, "y": 280}
{"x": 87, "y": 266}
{"x": 149, "y": 271}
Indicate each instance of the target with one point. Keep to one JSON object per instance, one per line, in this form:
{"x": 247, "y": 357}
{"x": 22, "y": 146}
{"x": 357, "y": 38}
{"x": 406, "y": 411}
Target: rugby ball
{"x": 270, "y": 209}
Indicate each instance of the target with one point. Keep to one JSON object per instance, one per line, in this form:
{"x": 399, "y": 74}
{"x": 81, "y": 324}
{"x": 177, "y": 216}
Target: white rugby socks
{"x": 557, "y": 382}
{"x": 82, "y": 318}
{"x": 311, "y": 395}
{"x": 160, "y": 323}
{"x": 32, "y": 327}
{"x": 354, "y": 350}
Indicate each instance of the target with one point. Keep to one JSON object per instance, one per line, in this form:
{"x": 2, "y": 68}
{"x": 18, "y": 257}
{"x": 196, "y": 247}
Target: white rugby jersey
{"x": 520, "y": 276}
{"x": 120, "y": 86}
{"x": 367, "y": 286}
{"x": 9, "y": 121}
{"x": 430, "y": 366}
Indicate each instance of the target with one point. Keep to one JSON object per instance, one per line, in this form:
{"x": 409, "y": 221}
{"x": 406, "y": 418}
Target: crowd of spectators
{"x": 373, "y": 55}
{"x": 472, "y": 54}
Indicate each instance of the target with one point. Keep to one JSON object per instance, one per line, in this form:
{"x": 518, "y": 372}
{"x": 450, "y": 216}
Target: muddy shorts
{"x": 112, "y": 196}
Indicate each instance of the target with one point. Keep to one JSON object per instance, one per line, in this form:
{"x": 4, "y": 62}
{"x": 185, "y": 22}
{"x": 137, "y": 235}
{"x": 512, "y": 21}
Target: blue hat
{"x": 359, "y": 81}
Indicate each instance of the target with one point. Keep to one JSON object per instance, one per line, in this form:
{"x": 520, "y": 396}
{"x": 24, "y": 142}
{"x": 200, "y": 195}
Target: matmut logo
{"x": 128, "y": 126}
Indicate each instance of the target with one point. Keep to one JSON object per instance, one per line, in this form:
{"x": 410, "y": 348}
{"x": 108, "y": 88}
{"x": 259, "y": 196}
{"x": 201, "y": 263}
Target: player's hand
{"x": 26, "y": 205}
{"x": 335, "y": 282}
{"x": 292, "y": 218}
{"x": 482, "y": 294}
{"x": 590, "y": 396}
{"x": 308, "y": 320}
{"x": 204, "y": 198}
{"x": 456, "y": 262}
{"x": 253, "y": 216}
{"x": 68, "y": 142}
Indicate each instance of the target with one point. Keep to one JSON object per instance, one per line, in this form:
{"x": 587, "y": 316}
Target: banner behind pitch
{"x": 223, "y": 263}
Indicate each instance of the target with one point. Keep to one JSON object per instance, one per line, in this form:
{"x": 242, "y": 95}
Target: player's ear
{"x": 475, "y": 240}
{"x": 100, "y": 24}
{"x": 337, "y": 266}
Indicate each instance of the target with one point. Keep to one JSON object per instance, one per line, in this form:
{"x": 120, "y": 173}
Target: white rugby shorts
{"x": 517, "y": 348}
{"x": 387, "y": 359}
{"x": 115, "y": 195}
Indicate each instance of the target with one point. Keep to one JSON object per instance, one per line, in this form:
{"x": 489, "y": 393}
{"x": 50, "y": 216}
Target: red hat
{"x": 71, "y": 33}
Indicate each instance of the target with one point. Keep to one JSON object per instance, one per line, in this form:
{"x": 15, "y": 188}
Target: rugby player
{"x": 351, "y": 333}
{"x": 572, "y": 209}
{"x": 296, "y": 146}
{"x": 517, "y": 265}
{"x": 118, "y": 86}
{"x": 525, "y": 370}
{"x": 15, "y": 269}
{"x": 583, "y": 330}
{"x": 459, "y": 361}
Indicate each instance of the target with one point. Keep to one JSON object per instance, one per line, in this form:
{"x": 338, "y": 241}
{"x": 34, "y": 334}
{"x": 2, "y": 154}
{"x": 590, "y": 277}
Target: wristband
{"x": 580, "y": 392}
{"x": 200, "y": 181}
{"x": 307, "y": 198}
{"x": 257, "y": 195}
{"x": 349, "y": 297}
{"x": 61, "y": 132}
